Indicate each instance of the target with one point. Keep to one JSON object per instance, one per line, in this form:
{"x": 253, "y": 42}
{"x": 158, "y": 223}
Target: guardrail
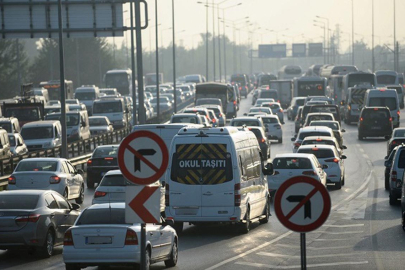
{"x": 80, "y": 151}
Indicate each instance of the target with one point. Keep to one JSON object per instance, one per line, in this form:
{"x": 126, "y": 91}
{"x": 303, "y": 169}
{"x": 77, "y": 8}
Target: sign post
{"x": 302, "y": 204}
{"x": 143, "y": 159}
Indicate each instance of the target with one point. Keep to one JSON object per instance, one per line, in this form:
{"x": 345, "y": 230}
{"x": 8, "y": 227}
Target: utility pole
{"x": 372, "y": 37}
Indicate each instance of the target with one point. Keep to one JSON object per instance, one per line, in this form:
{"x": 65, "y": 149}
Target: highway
{"x": 362, "y": 232}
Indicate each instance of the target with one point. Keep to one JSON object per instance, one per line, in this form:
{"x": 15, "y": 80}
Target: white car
{"x": 310, "y": 131}
{"x": 273, "y": 125}
{"x": 17, "y": 145}
{"x": 101, "y": 237}
{"x": 259, "y": 101}
{"x": 260, "y": 109}
{"x": 324, "y": 140}
{"x": 288, "y": 165}
{"x": 329, "y": 157}
{"x": 56, "y": 174}
{"x": 276, "y": 109}
{"x": 100, "y": 125}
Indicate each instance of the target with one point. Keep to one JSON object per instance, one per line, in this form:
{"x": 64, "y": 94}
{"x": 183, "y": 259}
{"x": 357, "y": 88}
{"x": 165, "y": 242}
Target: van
{"x": 10, "y": 124}
{"x": 114, "y": 109}
{"x": 211, "y": 175}
{"x": 5, "y": 152}
{"x": 39, "y": 135}
{"x": 77, "y": 123}
{"x": 87, "y": 94}
{"x": 384, "y": 98}
{"x": 400, "y": 91}
{"x": 386, "y": 77}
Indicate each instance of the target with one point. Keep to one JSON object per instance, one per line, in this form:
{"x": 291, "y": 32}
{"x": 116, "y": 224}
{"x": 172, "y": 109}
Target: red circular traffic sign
{"x": 143, "y": 157}
{"x": 302, "y": 204}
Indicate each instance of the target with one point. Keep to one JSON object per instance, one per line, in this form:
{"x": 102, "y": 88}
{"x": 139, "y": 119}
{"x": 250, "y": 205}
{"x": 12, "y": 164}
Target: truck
{"x": 308, "y": 86}
{"x": 352, "y": 102}
{"x": 150, "y": 79}
{"x": 284, "y": 91}
{"x": 225, "y": 92}
{"x": 53, "y": 88}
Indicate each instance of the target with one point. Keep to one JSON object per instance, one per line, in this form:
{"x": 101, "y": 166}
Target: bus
{"x": 150, "y": 79}
{"x": 385, "y": 77}
{"x": 309, "y": 86}
{"x": 328, "y": 71}
{"x": 356, "y": 78}
{"x": 265, "y": 79}
{"x": 313, "y": 70}
{"x": 334, "y": 88}
{"x": 121, "y": 79}
{"x": 289, "y": 72}
{"x": 53, "y": 88}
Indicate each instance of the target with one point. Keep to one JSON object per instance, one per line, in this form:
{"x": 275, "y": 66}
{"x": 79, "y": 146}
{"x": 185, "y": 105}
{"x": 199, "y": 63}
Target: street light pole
{"x": 328, "y": 45}
{"x": 206, "y": 41}
{"x": 353, "y": 33}
{"x": 395, "y": 43}
{"x": 174, "y": 62}
{"x": 213, "y": 38}
{"x": 372, "y": 36}
{"x": 157, "y": 60}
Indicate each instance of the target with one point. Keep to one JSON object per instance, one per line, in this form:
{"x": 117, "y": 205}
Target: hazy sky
{"x": 296, "y": 15}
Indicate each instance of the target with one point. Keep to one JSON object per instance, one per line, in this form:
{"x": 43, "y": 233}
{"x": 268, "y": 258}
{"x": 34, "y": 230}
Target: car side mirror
{"x": 293, "y": 139}
{"x": 324, "y": 166}
{"x": 344, "y": 147}
{"x": 163, "y": 184}
{"x": 343, "y": 157}
{"x": 268, "y": 169}
{"x": 168, "y": 222}
{"x": 80, "y": 171}
{"x": 74, "y": 206}
{"x": 343, "y": 130}
{"x": 387, "y": 163}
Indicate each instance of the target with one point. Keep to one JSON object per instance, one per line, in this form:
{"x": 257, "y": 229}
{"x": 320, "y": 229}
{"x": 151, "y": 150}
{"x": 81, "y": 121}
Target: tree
{"x": 13, "y": 64}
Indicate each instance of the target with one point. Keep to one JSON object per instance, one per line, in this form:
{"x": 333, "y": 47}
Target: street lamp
{"x": 278, "y": 31}
{"x": 324, "y": 35}
{"x": 327, "y": 20}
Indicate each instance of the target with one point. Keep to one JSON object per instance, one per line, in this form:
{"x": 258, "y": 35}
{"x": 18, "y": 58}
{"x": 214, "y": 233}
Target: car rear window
{"x": 114, "y": 180}
{"x": 300, "y": 102}
{"x": 102, "y": 216}
{"x": 314, "y": 133}
{"x": 8, "y": 201}
{"x": 184, "y": 119}
{"x": 376, "y": 114}
{"x": 331, "y": 125}
{"x": 292, "y": 163}
{"x": 106, "y": 152}
{"x": 401, "y": 159}
{"x": 240, "y": 123}
{"x": 391, "y": 102}
{"x": 30, "y": 165}
{"x": 325, "y": 142}
{"x": 269, "y": 120}
{"x": 319, "y": 153}
{"x": 268, "y": 94}
{"x": 399, "y": 133}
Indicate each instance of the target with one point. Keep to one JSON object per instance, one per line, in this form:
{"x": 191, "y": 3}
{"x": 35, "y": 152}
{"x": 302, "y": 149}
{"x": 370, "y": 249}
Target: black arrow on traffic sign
{"x": 143, "y": 152}
{"x": 307, "y": 205}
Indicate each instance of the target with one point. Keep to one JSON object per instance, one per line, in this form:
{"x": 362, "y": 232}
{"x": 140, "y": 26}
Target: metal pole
{"x": 219, "y": 46}
{"x": 77, "y": 62}
{"x": 213, "y": 39}
{"x": 143, "y": 246}
{"x": 64, "y": 150}
{"x": 324, "y": 44}
{"x": 303, "y": 252}
{"x": 134, "y": 120}
{"x": 223, "y": 16}
{"x": 352, "y": 34}
{"x": 157, "y": 61}
{"x": 18, "y": 62}
{"x": 139, "y": 63}
{"x": 395, "y": 44}
{"x": 174, "y": 62}
{"x": 206, "y": 41}
{"x": 372, "y": 36}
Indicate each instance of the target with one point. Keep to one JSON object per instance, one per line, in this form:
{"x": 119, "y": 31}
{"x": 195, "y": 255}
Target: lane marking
{"x": 349, "y": 232}
{"x": 361, "y": 150}
{"x": 340, "y": 239}
{"x": 343, "y": 202}
{"x": 260, "y": 265}
{"x": 312, "y": 248}
{"x": 365, "y": 156}
{"x": 269, "y": 254}
{"x": 344, "y": 226}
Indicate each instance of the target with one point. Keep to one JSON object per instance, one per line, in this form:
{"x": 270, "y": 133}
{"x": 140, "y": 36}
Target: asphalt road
{"x": 362, "y": 232}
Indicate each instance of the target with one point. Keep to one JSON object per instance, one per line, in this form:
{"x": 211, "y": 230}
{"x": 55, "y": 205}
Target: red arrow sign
{"x": 137, "y": 204}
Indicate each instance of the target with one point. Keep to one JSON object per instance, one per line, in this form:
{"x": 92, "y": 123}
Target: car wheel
{"x": 393, "y": 199}
{"x": 80, "y": 199}
{"x": 245, "y": 226}
{"x": 387, "y": 182}
{"x": 46, "y": 250}
{"x": 66, "y": 194}
{"x": 90, "y": 182}
{"x": 338, "y": 185}
{"x": 174, "y": 254}
{"x": 147, "y": 259}
{"x": 266, "y": 213}
{"x": 343, "y": 180}
{"x": 70, "y": 266}
{"x": 178, "y": 226}
{"x": 360, "y": 137}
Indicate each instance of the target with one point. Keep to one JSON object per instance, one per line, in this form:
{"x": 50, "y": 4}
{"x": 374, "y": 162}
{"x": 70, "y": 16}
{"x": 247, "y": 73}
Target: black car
{"x": 103, "y": 159}
{"x": 375, "y": 122}
{"x": 264, "y": 143}
{"x": 388, "y": 164}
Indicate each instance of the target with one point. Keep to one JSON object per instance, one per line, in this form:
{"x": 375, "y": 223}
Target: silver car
{"x": 17, "y": 145}
{"x": 56, "y": 174}
{"x": 100, "y": 125}
{"x": 36, "y": 219}
{"x": 101, "y": 236}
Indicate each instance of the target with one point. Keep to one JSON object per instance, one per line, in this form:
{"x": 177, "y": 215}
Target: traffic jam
{"x": 294, "y": 166}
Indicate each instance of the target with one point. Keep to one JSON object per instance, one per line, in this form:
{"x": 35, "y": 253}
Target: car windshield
{"x": 107, "y": 107}
{"x": 386, "y": 79}
{"x": 102, "y": 216}
{"x": 102, "y": 152}
{"x": 71, "y": 101}
{"x": 6, "y": 126}
{"x": 10, "y": 201}
{"x": 85, "y": 95}
{"x": 108, "y": 92}
{"x": 35, "y": 165}
{"x": 71, "y": 119}
{"x": 114, "y": 180}
{"x": 332, "y": 125}
{"x": 319, "y": 153}
{"x": 11, "y": 139}
{"x": 240, "y": 123}
{"x": 292, "y": 163}
{"x": 97, "y": 121}
{"x": 32, "y": 133}
{"x": 391, "y": 102}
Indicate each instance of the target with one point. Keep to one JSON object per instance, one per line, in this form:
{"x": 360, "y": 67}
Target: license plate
{"x": 98, "y": 240}
{"x": 374, "y": 128}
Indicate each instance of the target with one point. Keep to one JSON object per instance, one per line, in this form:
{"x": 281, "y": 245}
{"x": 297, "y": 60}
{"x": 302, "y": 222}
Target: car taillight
{"x": 213, "y": 120}
{"x": 276, "y": 172}
{"x": 240, "y": 87}
{"x": 237, "y": 195}
{"x": 390, "y": 119}
{"x": 31, "y": 218}
{"x": 234, "y": 102}
{"x": 131, "y": 238}
{"x": 361, "y": 119}
{"x": 89, "y": 162}
{"x": 281, "y": 110}
{"x": 336, "y": 160}
{"x": 11, "y": 180}
{"x": 394, "y": 143}
{"x": 297, "y": 144}
{"x": 398, "y": 112}
{"x": 68, "y": 238}
{"x": 393, "y": 176}
{"x": 268, "y": 88}
{"x": 263, "y": 140}
{"x": 220, "y": 115}
{"x": 54, "y": 179}
{"x": 349, "y": 107}
{"x": 98, "y": 194}
{"x": 167, "y": 197}
{"x": 309, "y": 173}
{"x": 108, "y": 158}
